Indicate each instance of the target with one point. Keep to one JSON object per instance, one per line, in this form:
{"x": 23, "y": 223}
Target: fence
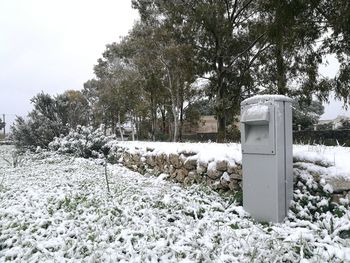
{"x": 325, "y": 137}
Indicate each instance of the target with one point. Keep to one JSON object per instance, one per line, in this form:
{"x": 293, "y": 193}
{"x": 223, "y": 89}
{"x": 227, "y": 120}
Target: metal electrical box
{"x": 267, "y": 157}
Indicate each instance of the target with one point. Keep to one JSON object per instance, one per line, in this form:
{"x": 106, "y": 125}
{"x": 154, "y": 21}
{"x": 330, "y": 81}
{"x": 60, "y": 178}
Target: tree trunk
{"x": 280, "y": 68}
{"x": 137, "y": 125}
{"x": 120, "y": 128}
{"x": 220, "y": 104}
{"x": 162, "y": 111}
{"x": 221, "y": 120}
{"x": 153, "y": 117}
{"x": 173, "y": 97}
{"x": 176, "y": 120}
{"x": 281, "y": 78}
{"x": 113, "y": 124}
{"x": 181, "y": 100}
{"x": 132, "y": 128}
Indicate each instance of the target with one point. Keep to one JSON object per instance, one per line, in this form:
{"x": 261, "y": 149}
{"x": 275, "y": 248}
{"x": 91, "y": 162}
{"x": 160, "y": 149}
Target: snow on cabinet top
{"x": 256, "y": 113}
{"x": 263, "y": 98}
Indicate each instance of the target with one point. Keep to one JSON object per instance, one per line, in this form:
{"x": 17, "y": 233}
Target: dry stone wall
{"x": 223, "y": 175}
{"x": 183, "y": 167}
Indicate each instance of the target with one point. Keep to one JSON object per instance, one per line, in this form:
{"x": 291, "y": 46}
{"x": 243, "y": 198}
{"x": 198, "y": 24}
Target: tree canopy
{"x": 191, "y": 57}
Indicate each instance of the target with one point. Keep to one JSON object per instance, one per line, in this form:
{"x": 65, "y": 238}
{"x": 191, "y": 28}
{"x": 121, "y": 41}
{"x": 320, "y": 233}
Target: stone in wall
{"x": 191, "y": 163}
{"x": 150, "y": 160}
{"x": 213, "y": 172}
{"x": 236, "y": 176}
{"x": 339, "y": 184}
{"x": 136, "y": 158}
{"x": 174, "y": 160}
{"x": 225, "y": 180}
{"x": 231, "y": 166}
{"x": 201, "y": 168}
{"x": 161, "y": 160}
{"x": 221, "y": 165}
{"x": 179, "y": 175}
{"x": 234, "y": 185}
{"x": 191, "y": 178}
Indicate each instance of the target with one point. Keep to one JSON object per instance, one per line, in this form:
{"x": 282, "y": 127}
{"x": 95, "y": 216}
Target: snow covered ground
{"x": 336, "y": 156}
{"x": 55, "y": 208}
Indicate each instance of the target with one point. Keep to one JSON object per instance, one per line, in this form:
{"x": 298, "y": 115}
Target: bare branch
{"x": 246, "y": 50}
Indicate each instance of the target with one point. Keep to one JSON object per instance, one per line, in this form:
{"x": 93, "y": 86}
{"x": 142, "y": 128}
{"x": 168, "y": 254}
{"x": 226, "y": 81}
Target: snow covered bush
{"x": 313, "y": 200}
{"x": 83, "y": 142}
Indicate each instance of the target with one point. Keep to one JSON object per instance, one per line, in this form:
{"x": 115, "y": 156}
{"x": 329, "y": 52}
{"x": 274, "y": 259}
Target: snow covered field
{"x": 55, "y": 208}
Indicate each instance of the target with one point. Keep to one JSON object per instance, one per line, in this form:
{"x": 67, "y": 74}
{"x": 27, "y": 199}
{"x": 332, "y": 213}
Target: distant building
{"x": 205, "y": 125}
{"x": 336, "y": 123}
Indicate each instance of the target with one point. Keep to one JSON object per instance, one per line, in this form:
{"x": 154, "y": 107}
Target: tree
{"x": 51, "y": 117}
{"x": 306, "y": 114}
{"x": 117, "y": 80}
{"x": 137, "y": 49}
{"x": 197, "y": 109}
{"x": 42, "y": 125}
{"x": 335, "y": 22}
{"x": 289, "y": 65}
{"x": 2, "y": 124}
{"x": 219, "y": 34}
{"x": 168, "y": 61}
{"x": 72, "y": 107}
{"x": 94, "y": 110}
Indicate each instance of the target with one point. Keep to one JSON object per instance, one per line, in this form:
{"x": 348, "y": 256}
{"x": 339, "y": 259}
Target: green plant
{"x": 15, "y": 161}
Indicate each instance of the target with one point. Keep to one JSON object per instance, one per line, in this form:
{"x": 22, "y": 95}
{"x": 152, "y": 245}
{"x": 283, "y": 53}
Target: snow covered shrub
{"x": 42, "y": 124}
{"x": 313, "y": 200}
{"x": 83, "y": 141}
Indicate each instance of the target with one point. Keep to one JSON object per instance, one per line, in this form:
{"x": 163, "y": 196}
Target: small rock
{"x": 171, "y": 169}
{"x": 336, "y": 198}
{"x": 231, "y": 166}
{"x": 339, "y": 184}
{"x": 221, "y": 165}
{"x": 212, "y": 172}
{"x": 190, "y": 163}
{"x": 225, "y": 180}
{"x": 174, "y": 160}
{"x": 150, "y": 160}
{"x": 136, "y": 157}
{"x": 201, "y": 169}
{"x": 236, "y": 176}
{"x": 180, "y": 175}
{"x": 192, "y": 174}
{"x": 189, "y": 181}
{"x": 233, "y": 185}
{"x": 214, "y": 184}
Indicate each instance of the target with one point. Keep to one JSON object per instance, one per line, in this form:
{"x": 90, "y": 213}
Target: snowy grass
{"x": 56, "y": 208}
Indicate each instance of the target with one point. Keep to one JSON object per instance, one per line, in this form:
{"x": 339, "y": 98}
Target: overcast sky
{"x": 52, "y": 45}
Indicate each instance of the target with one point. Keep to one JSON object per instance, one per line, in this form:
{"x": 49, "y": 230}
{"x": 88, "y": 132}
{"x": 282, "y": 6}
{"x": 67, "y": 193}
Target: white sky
{"x": 52, "y": 45}
{"x": 335, "y": 107}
